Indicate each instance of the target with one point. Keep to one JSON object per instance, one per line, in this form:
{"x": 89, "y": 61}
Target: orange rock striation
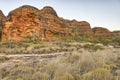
{"x": 43, "y": 24}
{"x": 101, "y": 32}
{"x": 2, "y": 22}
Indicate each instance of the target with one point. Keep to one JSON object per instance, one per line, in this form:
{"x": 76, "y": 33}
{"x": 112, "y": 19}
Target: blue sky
{"x": 100, "y": 13}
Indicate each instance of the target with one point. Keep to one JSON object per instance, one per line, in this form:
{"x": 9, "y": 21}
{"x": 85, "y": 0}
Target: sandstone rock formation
{"x": 115, "y": 33}
{"x": 29, "y": 21}
{"x": 101, "y": 32}
{"x": 2, "y": 21}
{"x": 83, "y": 28}
{"x": 21, "y": 22}
{"x": 48, "y": 10}
{"x": 44, "y": 24}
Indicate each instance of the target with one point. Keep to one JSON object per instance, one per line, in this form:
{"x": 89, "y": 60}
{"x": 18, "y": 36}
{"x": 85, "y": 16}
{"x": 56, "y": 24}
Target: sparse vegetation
{"x": 31, "y": 39}
{"x": 116, "y": 40}
{"x": 45, "y": 47}
{"x": 73, "y": 51}
{"x": 3, "y": 58}
{"x": 93, "y": 47}
{"x": 85, "y": 61}
{"x": 99, "y": 74}
{"x": 75, "y": 66}
{"x": 77, "y": 38}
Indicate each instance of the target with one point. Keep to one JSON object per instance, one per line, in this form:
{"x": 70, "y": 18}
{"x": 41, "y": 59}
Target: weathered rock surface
{"x": 21, "y": 22}
{"x": 100, "y": 31}
{"x": 44, "y": 24}
{"x": 48, "y": 10}
{"x": 82, "y": 28}
{"x": 30, "y": 21}
{"x": 2, "y": 21}
{"x": 115, "y": 33}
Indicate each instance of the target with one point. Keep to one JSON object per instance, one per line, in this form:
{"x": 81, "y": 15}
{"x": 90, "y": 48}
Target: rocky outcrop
{"x": 29, "y": 21}
{"x": 101, "y": 32}
{"x": 2, "y": 21}
{"x": 21, "y": 22}
{"x": 52, "y": 25}
{"x": 77, "y": 27}
{"x": 81, "y": 28}
{"x": 48, "y": 10}
{"x": 44, "y": 24}
{"x": 115, "y": 33}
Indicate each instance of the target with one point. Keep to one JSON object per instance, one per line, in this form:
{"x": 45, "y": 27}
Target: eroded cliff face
{"x": 115, "y": 33}
{"x": 52, "y": 25}
{"x": 21, "y": 22}
{"x": 101, "y": 32}
{"x": 2, "y": 22}
{"x": 2, "y": 19}
{"x": 82, "y": 28}
{"x": 44, "y": 24}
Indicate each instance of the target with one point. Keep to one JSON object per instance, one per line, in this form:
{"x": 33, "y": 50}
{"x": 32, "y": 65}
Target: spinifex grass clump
{"x": 3, "y": 58}
{"x": 99, "y": 74}
{"x": 93, "y": 47}
{"x": 100, "y": 65}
